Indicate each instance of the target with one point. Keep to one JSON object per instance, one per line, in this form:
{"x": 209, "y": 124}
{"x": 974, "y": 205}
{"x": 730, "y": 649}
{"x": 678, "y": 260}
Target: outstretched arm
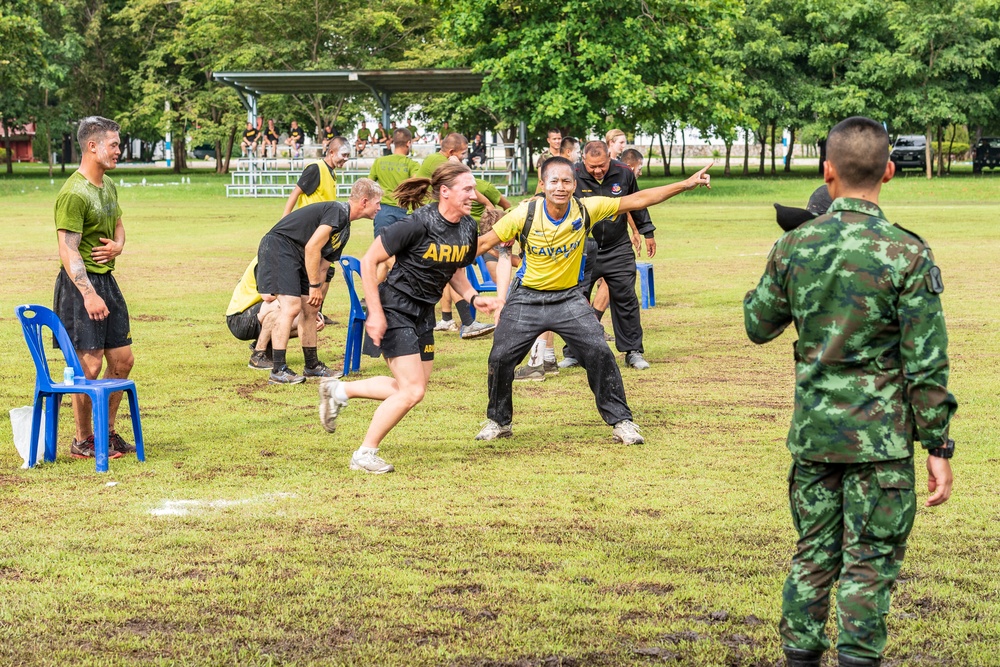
{"x": 653, "y": 196}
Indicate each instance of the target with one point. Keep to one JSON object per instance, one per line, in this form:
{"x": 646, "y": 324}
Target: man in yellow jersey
{"x": 546, "y": 297}
{"x": 251, "y": 317}
{"x": 318, "y": 181}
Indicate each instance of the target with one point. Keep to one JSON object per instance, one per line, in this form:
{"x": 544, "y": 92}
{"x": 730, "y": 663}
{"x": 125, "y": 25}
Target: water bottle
{"x": 68, "y": 375}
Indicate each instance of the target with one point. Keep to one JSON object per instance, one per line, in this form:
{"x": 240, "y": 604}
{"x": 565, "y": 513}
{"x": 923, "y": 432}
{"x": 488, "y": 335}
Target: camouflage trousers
{"x": 852, "y": 520}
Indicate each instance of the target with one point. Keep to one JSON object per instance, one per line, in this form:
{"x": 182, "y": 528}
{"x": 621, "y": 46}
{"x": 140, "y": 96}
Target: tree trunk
{"x": 218, "y": 156}
{"x": 927, "y": 152}
{"x": 6, "y": 140}
{"x": 229, "y": 150}
{"x": 729, "y": 150}
{"x": 773, "y": 127}
{"x": 940, "y": 155}
{"x": 746, "y": 151}
{"x": 670, "y": 155}
{"x": 683, "y": 151}
{"x": 762, "y": 137}
{"x": 951, "y": 146}
{"x": 649, "y": 156}
{"x": 791, "y": 147}
{"x": 663, "y": 155}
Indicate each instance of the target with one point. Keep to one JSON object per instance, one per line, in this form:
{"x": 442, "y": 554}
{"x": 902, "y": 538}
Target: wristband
{"x": 315, "y": 286}
{"x": 945, "y": 451}
{"x": 472, "y": 301}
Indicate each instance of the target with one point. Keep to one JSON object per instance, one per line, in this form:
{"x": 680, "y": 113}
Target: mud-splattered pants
{"x": 853, "y": 520}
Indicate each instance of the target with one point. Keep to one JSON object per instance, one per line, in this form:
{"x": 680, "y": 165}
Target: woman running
{"x": 431, "y": 247}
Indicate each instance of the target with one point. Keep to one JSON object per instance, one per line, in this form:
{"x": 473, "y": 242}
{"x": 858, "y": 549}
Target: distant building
{"x": 20, "y": 142}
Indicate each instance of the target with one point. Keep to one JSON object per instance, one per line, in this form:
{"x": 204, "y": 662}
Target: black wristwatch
{"x": 316, "y": 286}
{"x": 945, "y": 451}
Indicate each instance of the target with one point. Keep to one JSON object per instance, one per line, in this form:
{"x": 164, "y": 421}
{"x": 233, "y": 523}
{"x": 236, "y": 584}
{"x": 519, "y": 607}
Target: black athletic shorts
{"x": 87, "y": 334}
{"x": 245, "y": 325}
{"x": 409, "y": 325}
{"x": 281, "y": 267}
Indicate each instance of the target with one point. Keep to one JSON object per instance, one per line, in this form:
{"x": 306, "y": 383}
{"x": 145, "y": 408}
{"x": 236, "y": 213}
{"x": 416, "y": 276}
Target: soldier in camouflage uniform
{"x": 871, "y": 371}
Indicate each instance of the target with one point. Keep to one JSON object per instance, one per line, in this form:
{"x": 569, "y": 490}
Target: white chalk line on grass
{"x": 185, "y": 507}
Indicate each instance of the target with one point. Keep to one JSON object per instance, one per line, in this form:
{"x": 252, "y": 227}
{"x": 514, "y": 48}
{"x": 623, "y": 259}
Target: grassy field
{"x": 555, "y": 547}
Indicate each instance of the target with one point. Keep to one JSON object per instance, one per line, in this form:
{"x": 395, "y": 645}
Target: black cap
{"x": 819, "y": 201}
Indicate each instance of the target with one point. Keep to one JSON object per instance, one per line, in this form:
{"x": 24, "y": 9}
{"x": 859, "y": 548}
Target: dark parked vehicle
{"x": 986, "y": 154}
{"x": 204, "y": 152}
{"x": 909, "y": 152}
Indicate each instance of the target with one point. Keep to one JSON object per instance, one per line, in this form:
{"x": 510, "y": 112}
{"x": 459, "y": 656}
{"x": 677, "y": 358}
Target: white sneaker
{"x": 369, "y": 461}
{"x": 492, "y": 431}
{"x": 477, "y": 329}
{"x": 329, "y": 405}
{"x": 446, "y": 325}
{"x": 627, "y": 433}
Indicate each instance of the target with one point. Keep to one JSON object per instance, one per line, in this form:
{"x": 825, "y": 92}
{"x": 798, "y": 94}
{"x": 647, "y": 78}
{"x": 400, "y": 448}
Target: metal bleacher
{"x": 277, "y": 176}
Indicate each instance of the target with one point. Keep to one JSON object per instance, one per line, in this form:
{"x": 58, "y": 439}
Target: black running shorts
{"x": 409, "y": 325}
{"x": 87, "y": 334}
{"x": 281, "y": 267}
{"x": 245, "y": 325}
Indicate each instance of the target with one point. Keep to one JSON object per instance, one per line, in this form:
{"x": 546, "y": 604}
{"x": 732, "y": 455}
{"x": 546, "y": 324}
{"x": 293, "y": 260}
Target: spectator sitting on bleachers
{"x": 364, "y": 134}
{"x": 295, "y": 139}
{"x": 249, "y": 144}
{"x": 269, "y": 138}
{"x": 327, "y": 135}
{"x": 477, "y": 152}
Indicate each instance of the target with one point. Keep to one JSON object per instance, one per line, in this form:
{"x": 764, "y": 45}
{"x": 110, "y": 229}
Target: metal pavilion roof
{"x": 346, "y": 82}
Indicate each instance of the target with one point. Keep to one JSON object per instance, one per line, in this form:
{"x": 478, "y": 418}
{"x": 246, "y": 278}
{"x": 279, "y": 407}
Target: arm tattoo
{"x": 503, "y": 251}
{"x": 77, "y": 270}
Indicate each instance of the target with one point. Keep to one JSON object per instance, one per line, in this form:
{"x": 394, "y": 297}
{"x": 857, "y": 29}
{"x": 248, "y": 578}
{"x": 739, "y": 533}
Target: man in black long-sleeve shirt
{"x": 599, "y": 175}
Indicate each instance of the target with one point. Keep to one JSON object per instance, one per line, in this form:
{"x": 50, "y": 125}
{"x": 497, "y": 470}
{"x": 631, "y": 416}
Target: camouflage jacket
{"x": 871, "y": 361}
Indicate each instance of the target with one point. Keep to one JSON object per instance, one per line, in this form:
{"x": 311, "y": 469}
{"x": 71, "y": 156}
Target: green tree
{"x": 22, "y": 66}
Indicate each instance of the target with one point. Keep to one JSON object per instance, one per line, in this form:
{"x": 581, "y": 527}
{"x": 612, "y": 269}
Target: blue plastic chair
{"x": 645, "y": 270}
{"x": 33, "y": 320}
{"x": 481, "y": 281}
{"x": 356, "y": 319}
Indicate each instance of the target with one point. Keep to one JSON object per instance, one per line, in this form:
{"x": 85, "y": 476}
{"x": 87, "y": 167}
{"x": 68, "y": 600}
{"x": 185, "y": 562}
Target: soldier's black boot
{"x": 800, "y": 657}
{"x": 851, "y": 661}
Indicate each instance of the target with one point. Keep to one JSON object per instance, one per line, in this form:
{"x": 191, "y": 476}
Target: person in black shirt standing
{"x": 293, "y": 258}
{"x": 599, "y": 175}
{"x": 432, "y": 247}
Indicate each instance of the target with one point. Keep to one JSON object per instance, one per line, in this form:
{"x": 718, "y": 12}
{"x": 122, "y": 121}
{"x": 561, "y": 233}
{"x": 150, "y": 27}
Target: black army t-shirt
{"x": 428, "y": 251}
{"x": 297, "y": 134}
{"x": 299, "y": 226}
{"x": 250, "y": 135}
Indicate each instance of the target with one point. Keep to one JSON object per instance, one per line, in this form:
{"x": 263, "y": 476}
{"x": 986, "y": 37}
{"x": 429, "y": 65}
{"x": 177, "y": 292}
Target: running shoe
{"x": 119, "y": 444}
{"x": 608, "y": 337}
{"x": 627, "y": 433}
{"x": 285, "y": 376}
{"x": 329, "y": 405}
{"x": 551, "y": 367}
{"x": 529, "y": 373}
{"x": 636, "y": 361}
{"x": 568, "y": 362}
{"x": 371, "y": 462}
{"x": 446, "y": 325}
{"x": 260, "y": 361}
{"x": 84, "y": 449}
{"x": 492, "y": 431}
{"x": 476, "y": 329}
{"x": 321, "y": 370}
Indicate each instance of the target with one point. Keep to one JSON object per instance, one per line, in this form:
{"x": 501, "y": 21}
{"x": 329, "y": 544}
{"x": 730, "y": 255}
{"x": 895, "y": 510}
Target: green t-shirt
{"x": 430, "y": 163}
{"x": 413, "y": 131}
{"x": 490, "y": 192}
{"x": 90, "y": 211}
{"x": 364, "y": 133}
{"x": 391, "y": 170}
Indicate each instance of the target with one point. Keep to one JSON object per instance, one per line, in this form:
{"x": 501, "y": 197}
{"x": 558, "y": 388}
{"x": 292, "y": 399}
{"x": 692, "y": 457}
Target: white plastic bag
{"x": 20, "y": 422}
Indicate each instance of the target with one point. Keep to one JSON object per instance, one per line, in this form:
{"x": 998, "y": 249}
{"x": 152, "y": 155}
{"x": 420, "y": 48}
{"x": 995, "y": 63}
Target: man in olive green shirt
{"x": 87, "y": 299}
{"x": 389, "y": 171}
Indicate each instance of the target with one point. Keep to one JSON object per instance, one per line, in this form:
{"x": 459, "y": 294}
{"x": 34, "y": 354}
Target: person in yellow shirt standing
{"x": 546, "y": 297}
{"x": 318, "y": 181}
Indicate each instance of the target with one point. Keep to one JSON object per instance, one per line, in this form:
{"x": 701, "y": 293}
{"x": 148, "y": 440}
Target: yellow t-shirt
{"x": 552, "y": 253}
{"x": 245, "y": 294}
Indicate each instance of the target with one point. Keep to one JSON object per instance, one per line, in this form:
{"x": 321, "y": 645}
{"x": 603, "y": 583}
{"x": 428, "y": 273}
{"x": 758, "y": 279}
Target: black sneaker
{"x": 260, "y": 361}
{"x": 84, "y": 449}
{"x": 321, "y": 371}
{"x": 117, "y": 443}
{"x": 327, "y": 321}
{"x": 285, "y": 376}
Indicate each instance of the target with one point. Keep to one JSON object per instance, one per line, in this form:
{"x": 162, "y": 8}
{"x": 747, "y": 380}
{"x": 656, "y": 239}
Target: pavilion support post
{"x": 522, "y": 167}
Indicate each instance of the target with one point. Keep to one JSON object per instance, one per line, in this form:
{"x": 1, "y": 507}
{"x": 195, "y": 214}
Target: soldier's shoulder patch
{"x": 911, "y": 233}
{"x": 934, "y": 283}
